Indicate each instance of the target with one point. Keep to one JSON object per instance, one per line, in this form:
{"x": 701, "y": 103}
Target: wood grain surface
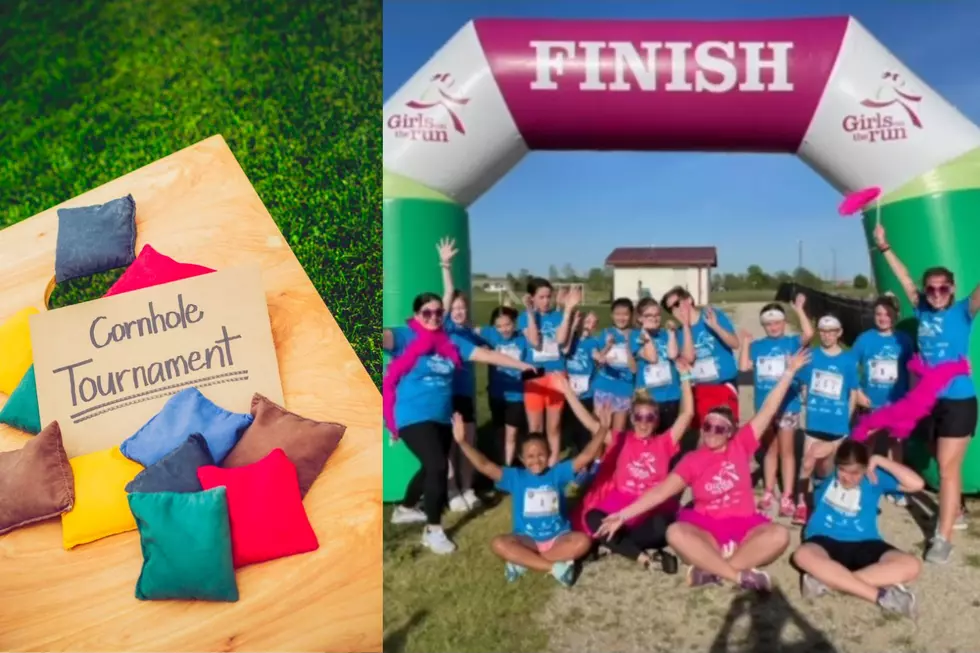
{"x": 198, "y": 206}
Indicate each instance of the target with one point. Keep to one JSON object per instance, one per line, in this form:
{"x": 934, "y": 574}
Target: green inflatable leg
{"x": 927, "y": 231}
{"x": 412, "y": 229}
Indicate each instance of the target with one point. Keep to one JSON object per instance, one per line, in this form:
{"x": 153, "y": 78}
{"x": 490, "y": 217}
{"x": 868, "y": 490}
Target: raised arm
{"x": 572, "y": 300}
{"x": 806, "y": 327}
{"x": 898, "y": 268}
{"x": 480, "y": 462}
{"x": 673, "y": 351}
{"x": 447, "y": 250}
{"x": 531, "y": 332}
{"x": 387, "y": 340}
{"x": 576, "y": 325}
{"x": 744, "y": 353}
{"x": 582, "y": 414}
{"x": 648, "y": 350}
{"x": 975, "y": 301}
{"x": 687, "y": 349}
{"x": 723, "y": 332}
{"x": 908, "y": 481}
{"x": 670, "y": 486}
{"x": 686, "y": 413}
{"x": 760, "y": 422}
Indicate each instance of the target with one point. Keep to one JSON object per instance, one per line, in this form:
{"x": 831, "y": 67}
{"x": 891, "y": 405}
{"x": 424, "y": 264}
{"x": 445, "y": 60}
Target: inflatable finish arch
{"x": 822, "y": 88}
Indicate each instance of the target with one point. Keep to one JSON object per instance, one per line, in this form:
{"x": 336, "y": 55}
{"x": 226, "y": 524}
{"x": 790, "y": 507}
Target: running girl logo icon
{"x": 437, "y": 108}
{"x": 893, "y": 96}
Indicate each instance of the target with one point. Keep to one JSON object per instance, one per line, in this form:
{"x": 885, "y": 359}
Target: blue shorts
{"x": 617, "y": 403}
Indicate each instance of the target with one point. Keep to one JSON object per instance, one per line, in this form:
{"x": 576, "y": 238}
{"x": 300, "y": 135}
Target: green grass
{"x": 94, "y": 89}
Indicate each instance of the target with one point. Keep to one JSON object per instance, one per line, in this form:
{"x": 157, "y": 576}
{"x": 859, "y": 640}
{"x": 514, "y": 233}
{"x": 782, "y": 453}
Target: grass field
{"x": 93, "y": 89}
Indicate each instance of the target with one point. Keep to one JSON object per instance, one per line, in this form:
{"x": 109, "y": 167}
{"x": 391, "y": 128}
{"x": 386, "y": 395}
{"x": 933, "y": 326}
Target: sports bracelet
{"x": 686, "y": 377}
{"x": 884, "y": 249}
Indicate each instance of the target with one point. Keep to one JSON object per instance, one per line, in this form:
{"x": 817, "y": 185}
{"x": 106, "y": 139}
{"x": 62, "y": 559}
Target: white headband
{"x": 772, "y": 315}
{"x": 828, "y": 322}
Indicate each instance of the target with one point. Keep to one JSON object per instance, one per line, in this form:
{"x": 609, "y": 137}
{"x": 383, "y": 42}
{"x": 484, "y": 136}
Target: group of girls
{"x": 551, "y": 360}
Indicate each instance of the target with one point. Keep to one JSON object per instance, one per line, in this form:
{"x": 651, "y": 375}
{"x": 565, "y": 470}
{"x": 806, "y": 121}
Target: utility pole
{"x": 799, "y": 255}
{"x": 833, "y": 258}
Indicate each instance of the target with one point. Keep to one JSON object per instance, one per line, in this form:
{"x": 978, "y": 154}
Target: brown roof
{"x": 654, "y": 257}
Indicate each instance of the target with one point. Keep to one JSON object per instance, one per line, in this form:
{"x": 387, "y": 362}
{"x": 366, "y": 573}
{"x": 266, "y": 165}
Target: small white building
{"x": 651, "y": 271}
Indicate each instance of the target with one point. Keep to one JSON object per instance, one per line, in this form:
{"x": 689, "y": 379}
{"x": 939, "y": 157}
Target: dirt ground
{"x": 617, "y": 607}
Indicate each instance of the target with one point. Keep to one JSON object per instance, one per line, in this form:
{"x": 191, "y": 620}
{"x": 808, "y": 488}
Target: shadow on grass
{"x": 769, "y": 616}
{"x": 394, "y": 642}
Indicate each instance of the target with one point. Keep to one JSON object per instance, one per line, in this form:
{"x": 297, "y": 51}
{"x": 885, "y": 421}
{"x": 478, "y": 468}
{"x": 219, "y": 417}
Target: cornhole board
{"x": 198, "y": 206}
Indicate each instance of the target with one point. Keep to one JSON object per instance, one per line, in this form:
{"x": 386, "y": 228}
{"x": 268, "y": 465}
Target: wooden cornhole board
{"x": 198, "y": 206}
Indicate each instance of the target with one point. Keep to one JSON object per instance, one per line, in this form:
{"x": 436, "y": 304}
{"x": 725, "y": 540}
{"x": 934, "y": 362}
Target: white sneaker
{"x": 471, "y": 499}
{"x": 960, "y": 524}
{"x": 403, "y": 515}
{"x": 436, "y": 540}
{"x": 459, "y": 504}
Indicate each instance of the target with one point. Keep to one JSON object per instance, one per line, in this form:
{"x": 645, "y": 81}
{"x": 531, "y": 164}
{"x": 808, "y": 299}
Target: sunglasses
{"x": 644, "y": 418}
{"x": 432, "y": 313}
{"x": 716, "y": 428}
{"x": 673, "y": 306}
{"x": 939, "y": 291}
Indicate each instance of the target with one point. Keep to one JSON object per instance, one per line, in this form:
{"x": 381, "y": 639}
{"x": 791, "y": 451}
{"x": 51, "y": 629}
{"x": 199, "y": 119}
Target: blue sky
{"x": 615, "y": 199}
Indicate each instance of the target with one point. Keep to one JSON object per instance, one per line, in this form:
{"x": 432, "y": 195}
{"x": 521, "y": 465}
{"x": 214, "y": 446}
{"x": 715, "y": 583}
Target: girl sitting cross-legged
{"x": 842, "y": 548}
{"x": 722, "y": 537}
{"x": 542, "y": 537}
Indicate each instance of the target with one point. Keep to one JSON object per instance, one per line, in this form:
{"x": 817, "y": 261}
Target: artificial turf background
{"x": 93, "y": 89}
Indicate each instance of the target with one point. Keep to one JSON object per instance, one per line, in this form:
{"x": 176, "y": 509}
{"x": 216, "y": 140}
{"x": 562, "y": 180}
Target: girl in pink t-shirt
{"x": 721, "y": 537}
{"x": 637, "y": 461}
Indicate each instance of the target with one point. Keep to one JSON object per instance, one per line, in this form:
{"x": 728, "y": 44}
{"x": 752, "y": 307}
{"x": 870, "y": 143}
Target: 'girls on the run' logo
{"x": 895, "y": 111}
{"x": 435, "y": 114}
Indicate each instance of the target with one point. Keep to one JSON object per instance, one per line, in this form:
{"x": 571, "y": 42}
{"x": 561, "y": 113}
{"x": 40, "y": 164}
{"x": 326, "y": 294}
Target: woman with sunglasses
{"x": 766, "y": 357}
{"x": 418, "y": 407}
{"x": 832, "y": 387}
{"x": 656, "y": 350}
{"x": 883, "y": 354}
{"x": 462, "y": 498}
{"x": 636, "y": 461}
{"x": 710, "y": 350}
{"x": 722, "y": 537}
{"x": 944, "y": 335}
{"x": 547, "y": 330}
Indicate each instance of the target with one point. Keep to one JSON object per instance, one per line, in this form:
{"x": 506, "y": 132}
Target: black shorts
{"x": 852, "y": 555}
{"x": 465, "y": 407}
{"x": 507, "y": 413}
{"x": 669, "y": 410}
{"x": 825, "y": 437}
{"x": 951, "y": 418}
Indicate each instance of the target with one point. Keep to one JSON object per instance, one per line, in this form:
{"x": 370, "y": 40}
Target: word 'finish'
{"x": 716, "y": 65}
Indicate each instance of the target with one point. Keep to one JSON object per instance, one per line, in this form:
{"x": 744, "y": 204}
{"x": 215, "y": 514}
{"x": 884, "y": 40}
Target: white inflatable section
{"x": 877, "y": 124}
{"x": 453, "y": 105}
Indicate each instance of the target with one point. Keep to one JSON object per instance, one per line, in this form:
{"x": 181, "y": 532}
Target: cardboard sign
{"x": 107, "y": 366}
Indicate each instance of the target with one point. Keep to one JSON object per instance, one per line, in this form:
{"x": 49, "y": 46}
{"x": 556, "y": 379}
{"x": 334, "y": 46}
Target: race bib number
{"x": 657, "y": 374}
{"x": 846, "y": 500}
{"x": 616, "y": 356}
{"x": 512, "y": 351}
{"x": 883, "y": 371}
{"x": 579, "y": 383}
{"x": 829, "y": 385}
{"x": 540, "y": 502}
{"x": 705, "y": 369}
{"x": 771, "y": 367}
{"x": 548, "y": 351}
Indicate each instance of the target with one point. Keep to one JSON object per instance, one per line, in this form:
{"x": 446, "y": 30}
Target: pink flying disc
{"x": 858, "y": 200}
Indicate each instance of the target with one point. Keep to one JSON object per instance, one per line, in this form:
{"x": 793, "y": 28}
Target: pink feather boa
{"x": 426, "y": 342}
{"x": 901, "y": 417}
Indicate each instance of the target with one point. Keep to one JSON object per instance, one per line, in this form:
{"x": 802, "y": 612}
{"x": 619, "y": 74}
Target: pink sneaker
{"x": 800, "y": 515}
{"x": 766, "y": 502}
{"x": 786, "y": 507}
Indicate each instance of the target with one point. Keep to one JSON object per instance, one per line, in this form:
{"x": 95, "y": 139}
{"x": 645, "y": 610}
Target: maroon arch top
{"x": 709, "y": 86}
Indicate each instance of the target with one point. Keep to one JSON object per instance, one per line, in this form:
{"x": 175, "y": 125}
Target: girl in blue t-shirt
{"x": 542, "y": 538}
{"x": 461, "y": 495}
{"x": 423, "y": 407}
{"x": 655, "y": 348}
{"x": 832, "y": 386}
{"x": 505, "y": 385}
{"x": 766, "y": 358}
{"x": 842, "y": 548}
{"x": 883, "y": 355}
{"x": 617, "y": 367}
{"x": 581, "y": 366}
{"x": 944, "y": 335}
